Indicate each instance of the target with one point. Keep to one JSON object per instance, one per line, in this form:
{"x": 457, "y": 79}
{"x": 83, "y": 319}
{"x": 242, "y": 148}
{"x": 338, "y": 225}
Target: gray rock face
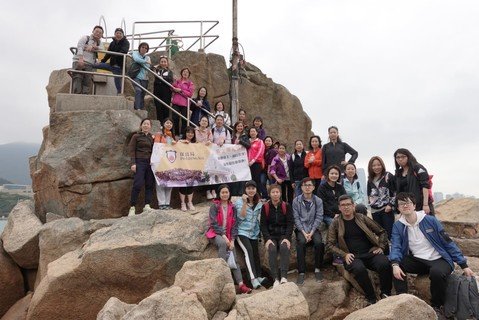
{"x": 211, "y": 281}
{"x": 403, "y": 306}
{"x": 20, "y": 236}
{"x": 114, "y": 309}
{"x": 11, "y": 282}
{"x": 128, "y": 260}
{"x": 171, "y": 303}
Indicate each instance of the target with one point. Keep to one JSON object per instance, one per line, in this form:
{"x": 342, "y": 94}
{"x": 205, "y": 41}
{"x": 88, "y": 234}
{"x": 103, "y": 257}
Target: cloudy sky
{"x": 389, "y": 74}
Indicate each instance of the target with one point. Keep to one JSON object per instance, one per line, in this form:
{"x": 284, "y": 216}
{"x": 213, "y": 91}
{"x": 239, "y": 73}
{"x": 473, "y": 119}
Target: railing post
{"x": 123, "y": 69}
{"x": 201, "y": 38}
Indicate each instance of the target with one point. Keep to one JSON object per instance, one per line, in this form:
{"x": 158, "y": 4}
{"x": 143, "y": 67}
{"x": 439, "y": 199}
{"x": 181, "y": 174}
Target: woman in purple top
{"x": 279, "y": 170}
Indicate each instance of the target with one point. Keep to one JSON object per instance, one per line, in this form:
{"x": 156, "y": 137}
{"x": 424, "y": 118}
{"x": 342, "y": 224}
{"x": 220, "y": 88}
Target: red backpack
{"x": 266, "y": 208}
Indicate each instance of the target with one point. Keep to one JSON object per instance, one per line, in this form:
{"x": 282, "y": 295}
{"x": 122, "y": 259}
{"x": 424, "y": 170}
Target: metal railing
{"x": 124, "y": 76}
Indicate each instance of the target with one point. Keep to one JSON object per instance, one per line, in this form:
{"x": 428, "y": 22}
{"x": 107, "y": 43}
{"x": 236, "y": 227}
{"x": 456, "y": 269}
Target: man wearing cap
{"x": 308, "y": 215}
{"x": 121, "y": 45}
{"x": 84, "y": 59}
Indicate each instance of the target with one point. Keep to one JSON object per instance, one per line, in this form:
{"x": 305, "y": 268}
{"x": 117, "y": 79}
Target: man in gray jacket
{"x": 84, "y": 59}
{"x": 308, "y": 215}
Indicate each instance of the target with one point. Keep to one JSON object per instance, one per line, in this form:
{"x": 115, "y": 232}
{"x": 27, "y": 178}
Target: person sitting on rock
{"x": 223, "y": 230}
{"x": 361, "y": 243}
{"x": 420, "y": 245}
{"x": 277, "y": 224}
{"x": 308, "y": 215}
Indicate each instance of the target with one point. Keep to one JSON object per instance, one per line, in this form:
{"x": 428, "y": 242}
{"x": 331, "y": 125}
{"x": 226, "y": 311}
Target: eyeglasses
{"x": 404, "y": 203}
{"x": 345, "y": 204}
{"x": 308, "y": 185}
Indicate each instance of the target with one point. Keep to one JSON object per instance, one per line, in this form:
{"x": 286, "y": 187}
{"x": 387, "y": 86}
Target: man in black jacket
{"x": 121, "y": 45}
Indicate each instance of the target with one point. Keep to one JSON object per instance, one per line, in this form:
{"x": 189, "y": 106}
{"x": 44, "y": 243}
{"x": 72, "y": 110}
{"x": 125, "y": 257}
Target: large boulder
{"x": 128, "y": 260}
{"x": 171, "y": 303}
{"x": 211, "y": 280}
{"x": 460, "y": 217}
{"x": 11, "y": 282}
{"x": 82, "y": 169}
{"x": 20, "y": 236}
{"x": 114, "y": 309}
{"x": 403, "y": 306}
{"x": 469, "y": 247}
{"x": 285, "y": 302}
{"x": 19, "y": 310}
{"x": 64, "y": 235}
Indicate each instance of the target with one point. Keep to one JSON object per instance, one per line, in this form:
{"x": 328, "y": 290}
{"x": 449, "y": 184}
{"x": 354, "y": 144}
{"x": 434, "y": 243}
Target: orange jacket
{"x": 315, "y": 170}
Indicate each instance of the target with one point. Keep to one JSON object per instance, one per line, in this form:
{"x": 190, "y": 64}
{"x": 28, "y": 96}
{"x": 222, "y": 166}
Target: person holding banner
{"x": 221, "y": 135}
{"x": 187, "y": 192}
{"x": 203, "y": 135}
{"x": 256, "y": 159}
{"x": 223, "y": 231}
{"x": 140, "y": 149}
{"x": 248, "y": 208}
{"x": 239, "y": 137}
{"x": 167, "y": 135}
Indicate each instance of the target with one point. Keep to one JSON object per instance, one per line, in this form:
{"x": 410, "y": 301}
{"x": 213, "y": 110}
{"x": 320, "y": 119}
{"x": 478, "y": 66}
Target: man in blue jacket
{"x": 308, "y": 215}
{"x": 420, "y": 245}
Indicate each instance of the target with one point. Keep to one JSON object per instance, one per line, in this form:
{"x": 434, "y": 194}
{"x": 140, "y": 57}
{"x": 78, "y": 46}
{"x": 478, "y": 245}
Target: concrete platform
{"x": 80, "y": 102}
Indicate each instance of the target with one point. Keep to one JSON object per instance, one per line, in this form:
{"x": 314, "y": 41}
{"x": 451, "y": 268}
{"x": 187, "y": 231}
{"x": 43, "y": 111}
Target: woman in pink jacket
{"x": 256, "y": 159}
{"x": 183, "y": 89}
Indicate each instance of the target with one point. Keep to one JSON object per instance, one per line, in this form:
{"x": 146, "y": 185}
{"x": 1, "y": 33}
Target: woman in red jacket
{"x": 314, "y": 161}
{"x": 183, "y": 89}
{"x": 256, "y": 159}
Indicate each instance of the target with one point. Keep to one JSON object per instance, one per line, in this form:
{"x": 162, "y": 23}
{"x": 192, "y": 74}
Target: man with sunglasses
{"x": 308, "y": 215}
{"x": 420, "y": 245}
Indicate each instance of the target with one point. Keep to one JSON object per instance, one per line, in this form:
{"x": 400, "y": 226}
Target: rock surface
{"x": 128, "y": 260}
{"x": 19, "y": 310}
{"x": 11, "y": 282}
{"x": 114, "y": 309}
{"x": 460, "y": 217}
{"x": 211, "y": 281}
{"x": 20, "y": 236}
{"x": 171, "y": 303}
{"x": 284, "y": 302}
{"x": 404, "y": 307}
{"x": 469, "y": 247}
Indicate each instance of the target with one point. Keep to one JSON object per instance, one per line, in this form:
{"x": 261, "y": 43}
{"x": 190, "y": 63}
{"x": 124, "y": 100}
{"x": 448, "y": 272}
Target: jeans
{"x": 297, "y": 190}
{"x": 301, "y": 245}
{"x": 376, "y": 262}
{"x": 328, "y": 220}
{"x": 284, "y": 253}
{"x": 81, "y": 83}
{"x": 143, "y": 177}
{"x": 438, "y": 271}
{"x": 114, "y": 69}
{"x": 140, "y": 94}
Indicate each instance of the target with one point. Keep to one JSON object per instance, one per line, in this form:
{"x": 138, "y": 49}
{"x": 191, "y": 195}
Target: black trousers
{"x": 256, "y": 170}
{"x": 287, "y": 191}
{"x": 251, "y": 255}
{"x": 301, "y": 245}
{"x": 284, "y": 253}
{"x": 143, "y": 177}
{"x": 438, "y": 271}
{"x": 179, "y": 124}
{"x": 385, "y": 220}
{"x": 376, "y": 262}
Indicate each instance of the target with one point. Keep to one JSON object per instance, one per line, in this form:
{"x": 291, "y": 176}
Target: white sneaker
{"x": 131, "y": 212}
{"x": 213, "y": 193}
{"x": 147, "y": 208}
{"x": 284, "y": 280}
{"x": 209, "y": 196}
{"x": 275, "y": 283}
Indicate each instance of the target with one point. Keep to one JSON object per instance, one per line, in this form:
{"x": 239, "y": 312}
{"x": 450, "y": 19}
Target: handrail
{"x": 123, "y": 76}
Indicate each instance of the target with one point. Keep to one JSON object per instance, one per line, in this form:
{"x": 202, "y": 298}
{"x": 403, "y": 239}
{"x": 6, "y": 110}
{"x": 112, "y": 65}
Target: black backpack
{"x": 462, "y": 298}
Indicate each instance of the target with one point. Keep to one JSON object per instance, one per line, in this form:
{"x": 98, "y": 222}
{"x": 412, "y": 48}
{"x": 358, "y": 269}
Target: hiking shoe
{"x": 261, "y": 279}
{"x": 319, "y": 276}
{"x": 244, "y": 289}
{"x": 131, "y": 212}
{"x": 147, "y": 208}
{"x": 191, "y": 207}
{"x": 275, "y": 283}
{"x": 383, "y": 296}
{"x": 338, "y": 261}
{"x": 183, "y": 207}
{"x": 300, "y": 280}
{"x": 283, "y": 280}
{"x": 255, "y": 283}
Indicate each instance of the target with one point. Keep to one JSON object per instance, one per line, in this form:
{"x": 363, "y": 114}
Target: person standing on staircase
{"x": 142, "y": 59}
{"x": 84, "y": 59}
{"x": 162, "y": 89}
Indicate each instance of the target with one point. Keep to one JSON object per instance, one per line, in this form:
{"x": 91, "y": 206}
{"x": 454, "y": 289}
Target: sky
{"x": 389, "y": 74}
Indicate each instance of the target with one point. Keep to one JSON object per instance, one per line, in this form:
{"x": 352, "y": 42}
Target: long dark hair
{"x": 371, "y": 173}
{"x": 256, "y": 197}
{"x": 198, "y": 93}
{"x": 222, "y": 186}
{"x": 411, "y": 160}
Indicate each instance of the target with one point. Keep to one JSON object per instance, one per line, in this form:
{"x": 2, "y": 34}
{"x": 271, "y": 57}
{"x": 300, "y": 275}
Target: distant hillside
{"x": 4, "y": 181}
{"x": 8, "y": 201}
{"x": 14, "y": 161}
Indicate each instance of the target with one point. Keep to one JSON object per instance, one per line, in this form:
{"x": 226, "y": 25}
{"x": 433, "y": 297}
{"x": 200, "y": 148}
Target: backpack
{"x": 134, "y": 70}
{"x": 461, "y": 298}
{"x": 266, "y": 208}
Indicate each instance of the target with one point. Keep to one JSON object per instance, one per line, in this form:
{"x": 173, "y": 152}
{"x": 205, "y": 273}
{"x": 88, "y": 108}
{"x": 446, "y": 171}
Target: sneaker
{"x": 244, "y": 289}
{"x": 147, "y": 208}
{"x": 183, "y": 207}
{"x": 275, "y": 283}
{"x": 162, "y": 207}
{"x": 261, "y": 279}
{"x": 209, "y": 196}
{"x": 283, "y": 280}
{"x": 167, "y": 207}
{"x": 383, "y": 296}
{"x": 300, "y": 280}
{"x": 255, "y": 283}
{"x": 213, "y": 193}
{"x": 319, "y": 276}
{"x": 338, "y": 261}
{"x": 191, "y": 206}
{"x": 131, "y": 212}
